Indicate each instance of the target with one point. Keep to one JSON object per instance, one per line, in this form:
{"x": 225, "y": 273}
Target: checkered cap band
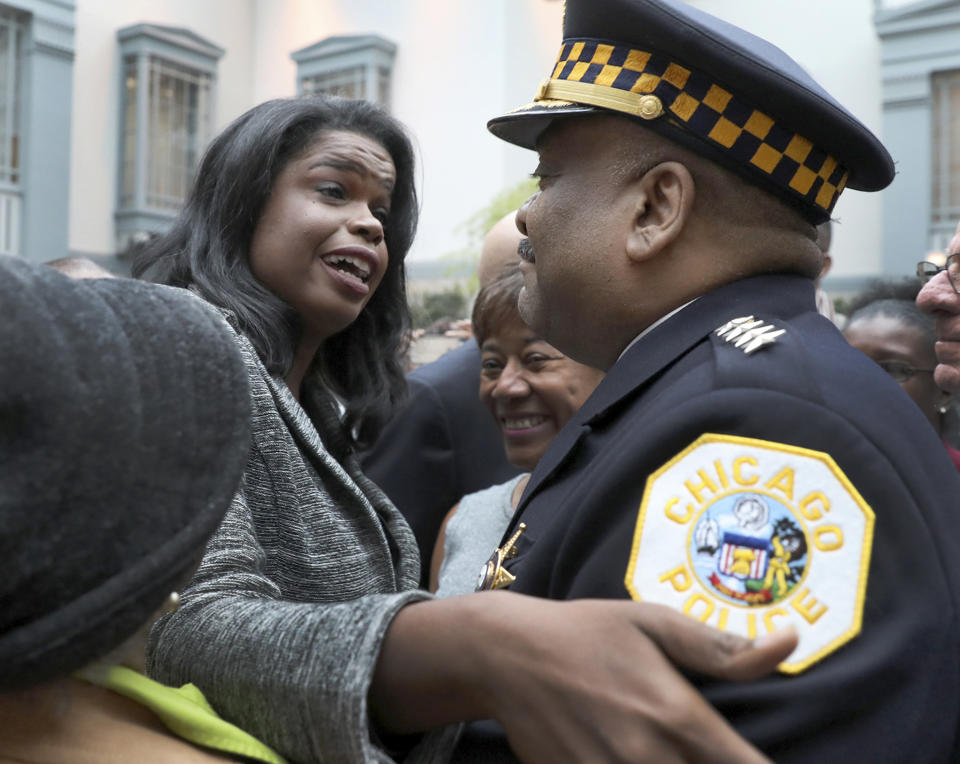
{"x": 617, "y": 77}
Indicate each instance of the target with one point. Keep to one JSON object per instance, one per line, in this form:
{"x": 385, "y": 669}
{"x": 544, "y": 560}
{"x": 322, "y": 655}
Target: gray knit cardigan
{"x": 282, "y": 624}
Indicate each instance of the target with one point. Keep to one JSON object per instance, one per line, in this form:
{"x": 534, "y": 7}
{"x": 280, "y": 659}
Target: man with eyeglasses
{"x": 940, "y": 297}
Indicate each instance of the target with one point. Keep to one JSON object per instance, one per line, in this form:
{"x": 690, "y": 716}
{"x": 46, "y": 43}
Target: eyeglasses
{"x": 927, "y": 270}
{"x": 900, "y": 370}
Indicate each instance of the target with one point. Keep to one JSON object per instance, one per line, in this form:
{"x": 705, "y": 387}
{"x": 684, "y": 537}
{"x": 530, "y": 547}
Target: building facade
{"x": 105, "y": 107}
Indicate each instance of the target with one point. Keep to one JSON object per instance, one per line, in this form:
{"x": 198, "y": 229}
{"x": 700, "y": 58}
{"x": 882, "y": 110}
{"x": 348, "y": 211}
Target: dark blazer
{"x": 890, "y": 693}
{"x": 441, "y": 446}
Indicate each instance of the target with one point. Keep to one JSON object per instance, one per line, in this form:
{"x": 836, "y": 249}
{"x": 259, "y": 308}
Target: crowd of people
{"x": 703, "y": 524}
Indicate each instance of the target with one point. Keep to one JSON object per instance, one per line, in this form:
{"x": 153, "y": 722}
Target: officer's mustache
{"x": 525, "y": 250}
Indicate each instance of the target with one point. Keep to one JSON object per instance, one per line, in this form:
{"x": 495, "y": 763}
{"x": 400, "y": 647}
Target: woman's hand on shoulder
{"x": 599, "y": 681}
{"x": 585, "y": 680}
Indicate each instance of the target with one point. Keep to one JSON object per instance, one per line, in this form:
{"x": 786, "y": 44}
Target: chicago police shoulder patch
{"x": 749, "y": 536}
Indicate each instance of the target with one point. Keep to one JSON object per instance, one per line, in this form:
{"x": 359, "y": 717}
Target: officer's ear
{"x": 662, "y": 202}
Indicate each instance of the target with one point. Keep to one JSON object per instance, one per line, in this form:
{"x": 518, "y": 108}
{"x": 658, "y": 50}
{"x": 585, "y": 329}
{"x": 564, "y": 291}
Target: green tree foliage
{"x": 453, "y": 303}
{"x": 480, "y": 222}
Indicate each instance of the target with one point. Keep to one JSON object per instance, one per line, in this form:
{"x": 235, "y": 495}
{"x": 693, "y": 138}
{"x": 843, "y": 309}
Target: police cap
{"x": 712, "y": 87}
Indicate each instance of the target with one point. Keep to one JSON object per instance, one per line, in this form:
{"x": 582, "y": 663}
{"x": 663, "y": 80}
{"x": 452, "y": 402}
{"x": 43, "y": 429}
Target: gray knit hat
{"x": 123, "y": 435}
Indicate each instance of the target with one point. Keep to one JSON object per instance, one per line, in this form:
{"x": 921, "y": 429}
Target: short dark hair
{"x": 208, "y": 249}
{"x": 496, "y": 302}
{"x": 896, "y": 299}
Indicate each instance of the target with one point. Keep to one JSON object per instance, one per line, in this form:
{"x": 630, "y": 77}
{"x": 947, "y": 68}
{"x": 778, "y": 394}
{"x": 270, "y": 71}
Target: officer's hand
{"x": 595, "y": 680}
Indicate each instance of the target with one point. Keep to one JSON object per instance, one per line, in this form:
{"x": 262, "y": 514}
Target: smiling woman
{"x": 303, "y": 623}
{"x": 532, "y": 390}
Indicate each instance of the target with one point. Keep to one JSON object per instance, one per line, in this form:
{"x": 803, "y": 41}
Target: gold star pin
{"x": 494, "y": 575}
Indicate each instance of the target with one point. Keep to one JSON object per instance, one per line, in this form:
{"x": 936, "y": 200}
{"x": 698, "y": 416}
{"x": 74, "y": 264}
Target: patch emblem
{"x": 749, "y": 536}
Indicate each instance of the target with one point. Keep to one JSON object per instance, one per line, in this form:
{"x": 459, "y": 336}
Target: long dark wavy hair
{"x": 208, "y": 250}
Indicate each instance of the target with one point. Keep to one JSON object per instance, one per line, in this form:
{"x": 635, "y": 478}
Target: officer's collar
{"x": 653, "y": 326}
{"x": 768, "y": 295}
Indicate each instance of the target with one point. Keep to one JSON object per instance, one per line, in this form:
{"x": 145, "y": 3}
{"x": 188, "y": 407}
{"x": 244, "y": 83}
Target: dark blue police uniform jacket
{"x": 890, "y": 693}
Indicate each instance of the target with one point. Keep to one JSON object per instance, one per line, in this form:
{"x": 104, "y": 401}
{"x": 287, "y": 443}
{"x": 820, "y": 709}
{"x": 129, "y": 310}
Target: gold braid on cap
{"x": 648, "y": 86}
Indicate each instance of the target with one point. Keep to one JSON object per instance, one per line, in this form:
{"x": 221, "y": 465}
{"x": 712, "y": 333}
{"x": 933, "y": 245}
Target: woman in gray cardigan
{"x": 303, "y": 623}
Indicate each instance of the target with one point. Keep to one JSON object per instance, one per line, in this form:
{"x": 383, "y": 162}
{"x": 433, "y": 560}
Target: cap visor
{"x": 524, "y": 126}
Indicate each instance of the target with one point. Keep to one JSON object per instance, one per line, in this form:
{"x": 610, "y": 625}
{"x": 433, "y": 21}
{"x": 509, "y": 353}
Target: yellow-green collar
{"x": 184, "y": 711}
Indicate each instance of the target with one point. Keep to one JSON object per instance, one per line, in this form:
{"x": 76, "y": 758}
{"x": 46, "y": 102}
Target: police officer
{"x": 740, "y": 462}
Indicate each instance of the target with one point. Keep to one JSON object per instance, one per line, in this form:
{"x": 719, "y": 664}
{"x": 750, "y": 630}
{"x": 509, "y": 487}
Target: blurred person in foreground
{"x": 940, "y": 297}
{"x": 887, "y": 326}
{"x": 79, "y": 268}
{"x": 441, "y": 444}
{"x": 531, "y": 390}
{"x": 123, "y": 435}
{"x": 732, "y": 463}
